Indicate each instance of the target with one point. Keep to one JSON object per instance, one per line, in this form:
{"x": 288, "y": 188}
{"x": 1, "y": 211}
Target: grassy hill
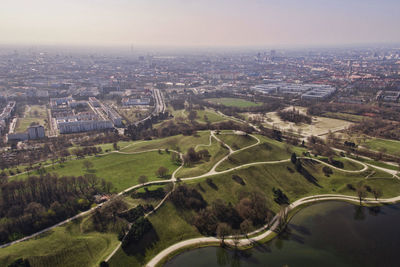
{"x": 76, "y": 244}
{"x": 237, "y": 141}
{"x": 121, "y": 169}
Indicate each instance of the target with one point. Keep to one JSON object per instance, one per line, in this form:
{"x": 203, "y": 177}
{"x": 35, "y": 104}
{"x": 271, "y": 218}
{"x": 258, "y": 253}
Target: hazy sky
{"x": 199, "y": 22}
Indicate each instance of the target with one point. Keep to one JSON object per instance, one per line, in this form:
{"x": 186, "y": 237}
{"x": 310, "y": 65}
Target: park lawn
{"x": 121, "y": 169}
{"x": 120, "y": 144}
{"x": 63, "y": 246}
{"x": 173, "y": 142}
{"x": 212, "y": 116}
{"x": 345, "y": 116}
{"x": 236, "y": 141}
{"x": 233, "y": 102}
{"x": 347, "y": 164}
{"x": 293, "y": 184}
{"x": 265, "y": 151}
{"x": 376, "y": 173}
{"x": 217, "y": 152}
{"x": 170, "y": 227}
{"x": 384, "y": 145}
{"x": 377, "y": 163}
{"x": 36, "y": 114}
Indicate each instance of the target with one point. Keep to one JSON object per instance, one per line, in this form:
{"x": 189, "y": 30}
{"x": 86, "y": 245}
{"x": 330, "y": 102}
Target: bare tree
{"x": 162, "y": 172}
{"x": 245, "y": 227}
{"x": 377, "y": 193}
{"x": 87, "y": 164}
{"x": 223, "y": 230}
{"x": 361, "y": 193}
{"x": 143, "y": 179}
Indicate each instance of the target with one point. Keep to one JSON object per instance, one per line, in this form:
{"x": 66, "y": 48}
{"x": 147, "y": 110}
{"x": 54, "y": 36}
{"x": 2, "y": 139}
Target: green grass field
{"x": 170, "y": 227}
{"x": 211, "y": 116}
{"x": 265, "y": 151}
{"x": 217, "y": 152}
{"x": 347, "y": 164}
{"x": 345, "y": 116}
{"x": 75, "y": 244}
{"x": 233, "y": 102}
{"x": 173, "y": 142}
{"x": 37, "y": 114}
{"x": 237, "y": 141}
{"x": 120, "y": 169}
{"x": 377, "y": 163}
{"x": 257, "y": 178}
{"x": 383, "y": 145}
{"x": 64, "y": 246}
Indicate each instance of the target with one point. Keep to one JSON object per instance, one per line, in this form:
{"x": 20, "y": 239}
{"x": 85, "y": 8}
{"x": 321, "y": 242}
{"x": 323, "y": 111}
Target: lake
{"x": 325, "y": 234}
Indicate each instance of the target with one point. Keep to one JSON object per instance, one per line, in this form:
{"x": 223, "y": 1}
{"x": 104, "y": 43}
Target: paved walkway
{"x": 173, "y": 179}
{"x": 241, "y": 241}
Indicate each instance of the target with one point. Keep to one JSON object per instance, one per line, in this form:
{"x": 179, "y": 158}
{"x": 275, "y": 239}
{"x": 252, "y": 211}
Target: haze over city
{"x": 199, "y": 23}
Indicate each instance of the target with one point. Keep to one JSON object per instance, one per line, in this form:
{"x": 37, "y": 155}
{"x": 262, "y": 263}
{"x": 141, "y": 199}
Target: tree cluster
{"x": 38, "y": 202}
{"x": 86, "y": 151}
{"x": 192, "y": 156}
{"x": 184, "y": 197}
{"x": 251, "y": 211}
{"x": 378, "y": 128}
{"x": 138, "y": 229}
{"x": 294, "y": 116}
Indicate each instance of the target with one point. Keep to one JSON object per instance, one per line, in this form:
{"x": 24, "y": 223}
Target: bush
{"x": 351, "y": 187}
{"x": 279, "y": 196}
{"x": 188, "y": 198}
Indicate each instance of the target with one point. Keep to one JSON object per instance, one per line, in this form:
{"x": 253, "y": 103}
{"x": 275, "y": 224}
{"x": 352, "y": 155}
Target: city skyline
{"x": 206, "y": 24}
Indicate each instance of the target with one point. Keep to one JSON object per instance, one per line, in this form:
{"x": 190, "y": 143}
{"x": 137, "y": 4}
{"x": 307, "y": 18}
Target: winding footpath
{"x": 211, "y": 172}
{"x": 264, "y": 232}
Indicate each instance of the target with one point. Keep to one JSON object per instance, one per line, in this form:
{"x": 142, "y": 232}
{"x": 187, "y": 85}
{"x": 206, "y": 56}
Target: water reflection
{"x": 325, "y": 234}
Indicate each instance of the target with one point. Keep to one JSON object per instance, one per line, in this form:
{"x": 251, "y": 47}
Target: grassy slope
{"x": 64, "y": 246}
{"x": 217, "y": 153}
{"x": 390, "y": 146}
{"x": 233, "y": 102}
{"x": 170, "y": 228}
{"x": 120, "y": 169}
{"x": 211, "y": 115}
{"x": 237, "y": 141}
{"x": 267, "y": 150}
{"x": 345, "y": 116}
{"x": 173, "y": 226}
{"x": 347, "y": 164}
{"x": 377, "y": 163}
{"x": 183, "y": 142}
